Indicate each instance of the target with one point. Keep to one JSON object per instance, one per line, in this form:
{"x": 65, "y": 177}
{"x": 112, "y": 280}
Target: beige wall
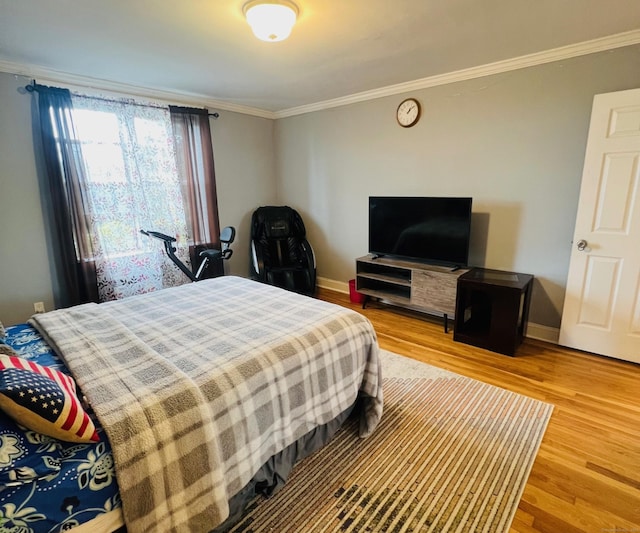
{"x": 24, "y": 266}
{"x": 514, "y": 142}
{"x": 244, "y": 154}
{"x": 245, "y": 173}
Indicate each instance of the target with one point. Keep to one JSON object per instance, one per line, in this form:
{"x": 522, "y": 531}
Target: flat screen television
{"x": 427, "y": 229}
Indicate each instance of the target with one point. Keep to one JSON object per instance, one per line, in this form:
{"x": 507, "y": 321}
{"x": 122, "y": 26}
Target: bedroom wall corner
{"x": 244, "y": 158}
{"x": 245, "y": 177}
{"x": 513, "y": 141}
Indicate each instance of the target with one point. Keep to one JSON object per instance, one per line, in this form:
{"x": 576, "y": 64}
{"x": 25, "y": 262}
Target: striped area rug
{"x": 451, "y": 454}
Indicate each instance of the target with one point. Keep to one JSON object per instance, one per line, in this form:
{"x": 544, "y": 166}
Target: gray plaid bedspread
{"x": 197, "y": 386}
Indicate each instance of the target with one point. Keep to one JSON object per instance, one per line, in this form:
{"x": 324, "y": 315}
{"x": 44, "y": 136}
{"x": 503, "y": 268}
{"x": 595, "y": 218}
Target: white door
{"x": 602, "y": 303}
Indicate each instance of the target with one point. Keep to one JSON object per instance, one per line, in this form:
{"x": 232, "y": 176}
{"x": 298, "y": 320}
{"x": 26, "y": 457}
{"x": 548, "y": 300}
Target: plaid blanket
{"x": 198, "y": 385}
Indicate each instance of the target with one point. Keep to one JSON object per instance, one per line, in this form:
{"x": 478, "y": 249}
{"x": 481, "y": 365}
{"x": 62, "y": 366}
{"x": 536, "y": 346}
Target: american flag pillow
{"x": 43, "y": 400}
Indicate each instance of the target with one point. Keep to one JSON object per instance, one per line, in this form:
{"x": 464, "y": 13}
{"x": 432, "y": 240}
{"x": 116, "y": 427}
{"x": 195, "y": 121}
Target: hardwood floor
{"x": 586, "y": 477}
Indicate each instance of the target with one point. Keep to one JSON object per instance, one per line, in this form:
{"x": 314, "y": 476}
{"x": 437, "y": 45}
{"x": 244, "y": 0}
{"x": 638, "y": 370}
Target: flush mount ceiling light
{"x": 271, "y": 20}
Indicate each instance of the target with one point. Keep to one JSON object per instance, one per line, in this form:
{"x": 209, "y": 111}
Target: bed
{"x": 201, "y": 395}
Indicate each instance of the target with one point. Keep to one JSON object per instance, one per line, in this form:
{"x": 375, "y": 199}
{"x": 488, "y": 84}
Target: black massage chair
{"x": 280, "y": 252}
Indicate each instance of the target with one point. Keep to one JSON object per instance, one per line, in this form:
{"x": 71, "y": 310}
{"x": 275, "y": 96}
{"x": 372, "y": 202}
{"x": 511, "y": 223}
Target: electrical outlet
{"x": 38, "y": 307}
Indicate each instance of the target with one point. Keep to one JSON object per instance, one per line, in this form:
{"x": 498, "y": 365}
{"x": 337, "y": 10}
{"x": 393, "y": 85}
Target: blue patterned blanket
{"x": 47, "y": 485}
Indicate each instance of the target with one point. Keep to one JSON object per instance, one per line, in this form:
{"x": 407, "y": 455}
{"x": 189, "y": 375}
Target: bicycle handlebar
{"x": 158, "y": 235}
{"x": 208, "y": 254}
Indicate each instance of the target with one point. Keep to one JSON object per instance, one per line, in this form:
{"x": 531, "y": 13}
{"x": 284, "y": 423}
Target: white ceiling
{"x": 204, "y": 48}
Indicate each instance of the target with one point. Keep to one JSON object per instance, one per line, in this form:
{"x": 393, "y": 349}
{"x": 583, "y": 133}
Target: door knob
{"x": 582, "y": 245}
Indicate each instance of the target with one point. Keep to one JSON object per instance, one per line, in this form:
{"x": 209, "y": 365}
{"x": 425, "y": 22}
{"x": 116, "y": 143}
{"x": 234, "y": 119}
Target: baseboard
{"x": 338, "y": 286}
{"x": 534, "y": 331}
{"x": 543, "y": 333}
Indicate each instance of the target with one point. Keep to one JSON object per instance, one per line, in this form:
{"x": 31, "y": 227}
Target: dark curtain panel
{"x": 195, "y": 165}
{"x": 64, "y": 171}
{"x": 194, "y": 157}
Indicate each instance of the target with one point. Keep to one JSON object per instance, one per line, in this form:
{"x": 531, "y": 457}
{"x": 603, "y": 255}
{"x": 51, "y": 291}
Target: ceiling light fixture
{"x": 271, "y": 20}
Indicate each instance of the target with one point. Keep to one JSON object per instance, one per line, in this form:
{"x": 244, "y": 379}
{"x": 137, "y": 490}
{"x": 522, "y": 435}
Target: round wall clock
{"x": 408, "y": 112}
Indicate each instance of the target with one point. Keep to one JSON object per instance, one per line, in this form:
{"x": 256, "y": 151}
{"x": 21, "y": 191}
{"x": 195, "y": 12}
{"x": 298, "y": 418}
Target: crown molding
{"x": 82, "y": 83}
{"x": 610, "y": 42}
{"x": 76, "y": 82}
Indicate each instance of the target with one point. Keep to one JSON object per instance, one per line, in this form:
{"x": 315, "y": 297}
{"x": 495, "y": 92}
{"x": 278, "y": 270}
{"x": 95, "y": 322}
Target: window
{"x": 118, "y": 171}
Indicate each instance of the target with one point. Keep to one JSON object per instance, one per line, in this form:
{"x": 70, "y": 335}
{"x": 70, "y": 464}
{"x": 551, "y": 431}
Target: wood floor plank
{"x": 586, "y": 478}
{"x": 572, "y": 482}
{"x": 519, "y": 526}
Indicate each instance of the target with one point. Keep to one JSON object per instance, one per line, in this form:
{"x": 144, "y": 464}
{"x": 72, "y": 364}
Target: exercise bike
{"x": 227, "y": 236}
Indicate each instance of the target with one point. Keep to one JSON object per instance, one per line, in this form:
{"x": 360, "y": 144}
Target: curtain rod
{"x": 35, "y": 87}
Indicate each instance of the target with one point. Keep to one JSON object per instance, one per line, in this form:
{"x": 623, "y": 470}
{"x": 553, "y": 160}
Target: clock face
{"x": 408, "y": 112}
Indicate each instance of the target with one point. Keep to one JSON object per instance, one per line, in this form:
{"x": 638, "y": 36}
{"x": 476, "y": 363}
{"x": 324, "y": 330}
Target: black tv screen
{"x": 427, "y": 229}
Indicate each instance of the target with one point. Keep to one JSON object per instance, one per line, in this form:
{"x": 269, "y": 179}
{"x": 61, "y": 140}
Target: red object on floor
{"x": 354, "y": 295}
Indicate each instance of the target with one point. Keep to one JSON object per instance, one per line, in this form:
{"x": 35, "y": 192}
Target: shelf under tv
{"x": 418, "y": 286}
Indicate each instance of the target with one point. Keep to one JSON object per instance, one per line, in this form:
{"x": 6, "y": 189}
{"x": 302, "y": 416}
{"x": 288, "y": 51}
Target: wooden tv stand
{"x": 421, "y": 287}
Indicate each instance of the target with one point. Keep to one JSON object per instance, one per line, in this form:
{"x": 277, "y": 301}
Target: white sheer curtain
{"x": 131, "y": 184}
